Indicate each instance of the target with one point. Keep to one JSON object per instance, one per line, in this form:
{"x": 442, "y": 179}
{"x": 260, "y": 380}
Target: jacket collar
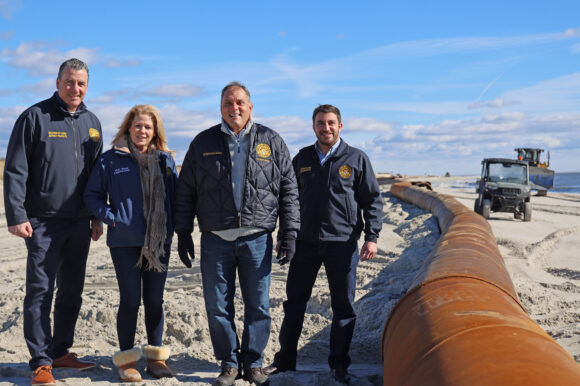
{"x": 342, "y": 149}
{"x": 225, "y": 128}
{"x": 63, "y": 107}
{"x": 122, "y": 146}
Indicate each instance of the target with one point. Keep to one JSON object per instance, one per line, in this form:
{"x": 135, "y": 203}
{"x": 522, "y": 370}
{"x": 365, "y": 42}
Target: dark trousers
{"x": 57, "y": 251}
{"x": 340, "y": 260}
{"x": 129, "y": 278}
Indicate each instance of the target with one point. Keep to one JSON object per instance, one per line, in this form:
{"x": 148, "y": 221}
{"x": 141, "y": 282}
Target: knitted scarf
{"x": 153, "y": 188}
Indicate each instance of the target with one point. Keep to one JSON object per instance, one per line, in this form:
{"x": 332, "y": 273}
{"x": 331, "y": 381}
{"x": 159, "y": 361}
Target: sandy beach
{"x": 541, "y": 256}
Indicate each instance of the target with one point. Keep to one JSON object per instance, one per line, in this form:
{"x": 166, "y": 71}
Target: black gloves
{"x": 185, "y": 247}
{"x": 286, "y": 250}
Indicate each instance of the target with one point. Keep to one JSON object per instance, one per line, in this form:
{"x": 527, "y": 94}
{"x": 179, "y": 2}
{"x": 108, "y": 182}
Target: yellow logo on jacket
{"x": 305, "y": 169}
{"x": 263, "y": 150}
{"x": 345, "y": 171}
{"x": 57, "y": 134}
{"x": 94, "y": 134}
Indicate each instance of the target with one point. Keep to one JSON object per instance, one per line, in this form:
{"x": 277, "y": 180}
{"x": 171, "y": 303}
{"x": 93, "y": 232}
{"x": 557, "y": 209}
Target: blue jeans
{"x": 129, "y": 279}
{"x": 57, "y": 251}
{"x": 340, "y": 261}
{"x": 252, "y": 257}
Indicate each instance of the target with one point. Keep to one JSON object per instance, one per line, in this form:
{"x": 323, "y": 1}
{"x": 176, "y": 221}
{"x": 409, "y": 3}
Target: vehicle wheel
{"x": 528, "y": 211}
{"x": 486, "y": 210}
{"x": 476, "y": 207}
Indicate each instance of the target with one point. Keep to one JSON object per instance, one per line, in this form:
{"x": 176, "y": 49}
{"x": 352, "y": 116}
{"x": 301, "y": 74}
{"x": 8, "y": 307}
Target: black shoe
{"x": 227, "y": 377}
{"x": 340, "y": 375}
{"x": 257, "y": 376}
{"x": 276, "y": 368}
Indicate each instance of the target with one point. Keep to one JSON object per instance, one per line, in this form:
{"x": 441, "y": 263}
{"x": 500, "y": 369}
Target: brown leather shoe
{"x": 72, "y": 361}
{"x": 42, "y": 376}
{"x": 158, "y": 369}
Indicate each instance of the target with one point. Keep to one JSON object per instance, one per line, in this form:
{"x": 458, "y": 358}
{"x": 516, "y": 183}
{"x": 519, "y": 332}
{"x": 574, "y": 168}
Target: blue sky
{"x": 424, "y": 87}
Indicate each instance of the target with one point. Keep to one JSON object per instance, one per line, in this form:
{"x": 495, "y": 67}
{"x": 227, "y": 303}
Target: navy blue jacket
{"x": 336, "y": 197}
{"x": 114, "y": 195}
{"x": 48, "y": 161}
{"x": 205, "y": 184}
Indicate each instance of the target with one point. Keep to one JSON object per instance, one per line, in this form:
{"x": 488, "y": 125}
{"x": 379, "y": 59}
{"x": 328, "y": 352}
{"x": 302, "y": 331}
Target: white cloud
{"x": 559, "y": 94}
{"x": 111, "y": 96}
{"x": 9, "y": 7}
{"x": 7, "y": 118}
{"x": 369, "y": 125}
{"x": 41, "y": 88}
{"x": 570, "y": 33}
{"x": 174, "y": 91}
{"x": 494, "y": 104}
{"x": 115, "y": 63}
{"x": 459, "y": 145}
{"x": 6, "y": 35}
{"x": 40, "y": 58}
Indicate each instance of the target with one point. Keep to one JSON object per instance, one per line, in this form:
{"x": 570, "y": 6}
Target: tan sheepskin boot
{"x": 126, "y": 362}
{"x": 156, "y": 357}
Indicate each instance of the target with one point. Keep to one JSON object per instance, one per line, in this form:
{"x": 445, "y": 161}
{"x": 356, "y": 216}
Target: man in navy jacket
{"x": 339, "y": 198}
{"x": 52, "y": 149}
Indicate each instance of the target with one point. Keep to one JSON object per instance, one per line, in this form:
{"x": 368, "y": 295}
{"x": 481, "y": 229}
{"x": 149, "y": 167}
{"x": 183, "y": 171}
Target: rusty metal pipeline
{"x": 460, "y": 322}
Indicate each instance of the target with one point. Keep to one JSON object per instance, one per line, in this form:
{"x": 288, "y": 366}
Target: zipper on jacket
{"x": 229, "y": 158}
{"x": 250, "y": 146}
{"x": 76, "y": 153}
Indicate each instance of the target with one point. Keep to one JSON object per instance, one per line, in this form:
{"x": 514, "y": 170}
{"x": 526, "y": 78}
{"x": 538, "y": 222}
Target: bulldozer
{"x": 541, "y": 178}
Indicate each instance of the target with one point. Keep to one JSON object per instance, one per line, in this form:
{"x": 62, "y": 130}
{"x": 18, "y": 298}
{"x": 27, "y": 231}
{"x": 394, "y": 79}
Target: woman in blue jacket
{"x": 131, "y": 189}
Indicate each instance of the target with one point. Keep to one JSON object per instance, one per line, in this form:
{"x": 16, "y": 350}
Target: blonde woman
{"x": 131, "y": 189}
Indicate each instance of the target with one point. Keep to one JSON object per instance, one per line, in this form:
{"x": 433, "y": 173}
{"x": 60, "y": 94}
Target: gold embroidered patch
{"x": 305, "y": 169}
{"x": 212, "y": 153}
{"x": 263, "y": 150}
{"x": 345, "y": 171}
{"x": 94, "y": 134}
{"x": 57, "y": 134}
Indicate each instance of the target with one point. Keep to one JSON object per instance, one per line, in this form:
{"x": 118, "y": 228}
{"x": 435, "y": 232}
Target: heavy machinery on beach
{"x": 541, "y": 178}
{"x": 504, "y": 187}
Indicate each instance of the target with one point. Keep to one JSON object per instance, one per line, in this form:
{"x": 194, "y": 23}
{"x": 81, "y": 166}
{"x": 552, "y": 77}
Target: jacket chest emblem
{"x": 94, "y": 134}
{"x": 57, "y": 134}
{"x": 263, "y": 151}
{"x": 345, "y": 171}
{"x": 124, "y": 169}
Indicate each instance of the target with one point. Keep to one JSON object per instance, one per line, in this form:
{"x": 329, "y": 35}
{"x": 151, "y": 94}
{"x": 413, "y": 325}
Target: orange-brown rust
{"x": 461, "y": 322}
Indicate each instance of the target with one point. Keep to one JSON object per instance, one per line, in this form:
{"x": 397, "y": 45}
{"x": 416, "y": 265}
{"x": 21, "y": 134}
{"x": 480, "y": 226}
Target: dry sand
{"x": 541, "y": 257}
